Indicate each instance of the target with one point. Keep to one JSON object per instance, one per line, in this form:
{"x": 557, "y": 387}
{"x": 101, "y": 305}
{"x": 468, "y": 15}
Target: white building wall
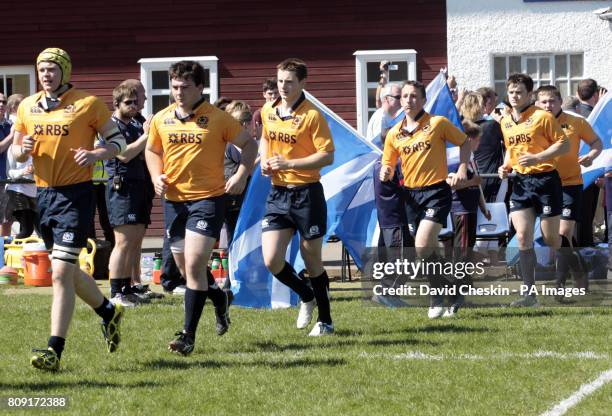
{"x": 478, "y": 29}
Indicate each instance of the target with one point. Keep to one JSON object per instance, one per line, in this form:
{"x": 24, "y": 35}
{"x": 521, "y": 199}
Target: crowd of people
{"x": 199, "y": 157}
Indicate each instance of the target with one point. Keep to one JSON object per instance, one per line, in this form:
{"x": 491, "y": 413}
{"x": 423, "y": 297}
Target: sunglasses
{"x": 130, "y": 102}
{"x": 397, "y": 97}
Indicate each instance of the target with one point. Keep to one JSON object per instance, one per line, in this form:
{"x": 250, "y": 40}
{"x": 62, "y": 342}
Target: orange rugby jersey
{"x": 576, "y": 129}
{"x": 193, "y": 150}
{"x": 73, "y": 124}
{"x": 422, "y": 152}
{"x": 299, "y": 135}
{"x": 535, "y": 131}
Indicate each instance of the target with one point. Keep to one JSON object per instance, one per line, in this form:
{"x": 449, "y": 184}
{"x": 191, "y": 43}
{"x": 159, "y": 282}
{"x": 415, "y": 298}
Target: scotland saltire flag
{"x": 440, "y": 103}
{"x": 349, "y": 210}
{"x": 601, "y": 121}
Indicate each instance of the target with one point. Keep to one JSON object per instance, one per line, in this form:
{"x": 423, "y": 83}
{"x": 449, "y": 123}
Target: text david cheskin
{"x": 412, "y": 269}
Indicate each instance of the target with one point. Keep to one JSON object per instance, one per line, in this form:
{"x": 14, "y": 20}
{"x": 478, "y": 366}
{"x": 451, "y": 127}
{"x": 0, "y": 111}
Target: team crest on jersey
{"x": 567, "y": 212}
{"x": 201, "y": 225}
{"x": 202, "y": 122}
{"x": 512, "y": 204}
{"x": 295, "y": 123}
{"x": 314, "y": 230}
{"x": 265, "y": 223}
{"x": 169, "y": 121}
{"x": 508, "y": 125}
{"x": 271, "y": 117}
{"x": 70, "y": 109}
{"x": 430, "y": 212}
{"x": 565, "y": 126}
{"x": 427, "y": 128}
{"x": 529, "y": 122}
{"x": 547, "y": 209}
{"x": 131, "y": 217}
{"x": 36, "y": 110}
{"x": 68, "y": 237}
{"x": 411, "y": 228}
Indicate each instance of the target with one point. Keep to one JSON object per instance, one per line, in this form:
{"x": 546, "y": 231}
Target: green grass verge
{"x": 380, "y": 361}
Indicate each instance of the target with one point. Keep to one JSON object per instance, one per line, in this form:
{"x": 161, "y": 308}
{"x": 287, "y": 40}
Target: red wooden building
{"x": 239, "y": 43}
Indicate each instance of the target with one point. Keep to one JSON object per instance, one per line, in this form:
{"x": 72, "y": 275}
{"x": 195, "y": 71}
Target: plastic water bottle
{"x": 146, "y": 268}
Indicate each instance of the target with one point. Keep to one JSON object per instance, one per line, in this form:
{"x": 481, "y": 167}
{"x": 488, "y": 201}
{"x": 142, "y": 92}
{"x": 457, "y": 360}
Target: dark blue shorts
{"x": 131, "y": 204}
{"x": 572, "y": 203}
{"x": 202, "y": 216}
{"x": 540, "y": 191}
{"x": 66, "y": 214}
{"x": 431, "y": 203}
{"x": 302, "y": 208}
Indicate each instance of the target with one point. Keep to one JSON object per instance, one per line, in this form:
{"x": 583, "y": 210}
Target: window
{"x": 17, "y": 80}
{"x": 562, "y": 70}
{"x": 402, "y": 68}
{"x": 154, "y": 76}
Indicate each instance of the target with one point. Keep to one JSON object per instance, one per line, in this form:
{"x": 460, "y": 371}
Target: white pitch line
{"x": 418, "y": 355}
{"x": 583, "y": 391}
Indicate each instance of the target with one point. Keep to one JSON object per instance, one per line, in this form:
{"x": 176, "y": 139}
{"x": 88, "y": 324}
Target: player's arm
{"x": 506, "y": 167}
{"x": 558, "y": 148}
{"x": 596, "y": 148}
{"x": 154, "y": 153}
{"x": 464, "y": 158}
{"x": 316, "y": 160}
{"x": 114, "y": 144}
{"x": 248, "y": 152}
{"x": 389, "y": 161}
{"x": 7, "y": 141}
{"x": 135, "y": 148}
{"x": 23, "y": 145}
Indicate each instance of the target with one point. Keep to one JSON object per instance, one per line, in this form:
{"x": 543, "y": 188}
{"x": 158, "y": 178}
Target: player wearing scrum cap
{"x": 58, "y": 127}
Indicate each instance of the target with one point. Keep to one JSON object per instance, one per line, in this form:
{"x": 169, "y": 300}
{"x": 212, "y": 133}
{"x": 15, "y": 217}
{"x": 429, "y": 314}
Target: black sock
{"x": 215, "y": 293}
{"x": 319, "y": 287}
{"x": 106, "y": 310}
{"x": 194, "y": 304}
{"x": 289, "y": 277}
{"x": 527, "y": 260}
{"x": 564, "y": 255}
{"x": 117, "y": 285}
{"x": 57, "y": 343}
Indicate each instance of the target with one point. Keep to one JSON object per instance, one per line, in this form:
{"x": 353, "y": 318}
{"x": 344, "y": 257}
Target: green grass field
{"x": 486, "y": 361}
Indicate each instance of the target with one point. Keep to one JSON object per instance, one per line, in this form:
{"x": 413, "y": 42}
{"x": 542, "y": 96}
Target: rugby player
{"x": 568, "y": 165}
{"x": 533, "y": 139}
{"x": 184, "y": 154}
{"x": 129, "y": 194}
{"x": 295, "y": 144}
{"x": 419, "y": 142}
{"x": 58, "y": 127}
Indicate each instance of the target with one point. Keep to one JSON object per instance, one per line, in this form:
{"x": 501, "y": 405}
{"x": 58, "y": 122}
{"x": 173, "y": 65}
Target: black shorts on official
{"x": 66, "y": 214}
{"x": 431, "y": 203}
{"x": 202, "y": 216}
{"x": 572, "y": 203}
{"x": 131, "y": 204}
{"x": 302, "y": 208}
{"x": 540, "y": 191}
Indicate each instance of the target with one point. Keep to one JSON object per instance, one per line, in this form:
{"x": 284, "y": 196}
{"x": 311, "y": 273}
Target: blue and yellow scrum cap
{"x": 59, "y": 57}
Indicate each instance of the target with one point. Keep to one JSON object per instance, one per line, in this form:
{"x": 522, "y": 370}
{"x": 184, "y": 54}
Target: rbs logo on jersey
{"x": 282, "y": 137}
{"x": 519, "y": 138}
{"x": 184, "y": 138}
{"x": 51, "y": 129}
{"x": 417, "y": 147}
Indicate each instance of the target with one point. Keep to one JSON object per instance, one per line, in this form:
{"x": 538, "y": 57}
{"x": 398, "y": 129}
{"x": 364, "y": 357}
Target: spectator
{"x": 5, "y": 141}
{"x": 382, "y": 119}
{"x": 383, "y": 79}
{"x": 570, "y": 103}
{"x": 490, "y": 101}
{"x": 270, "y": 94}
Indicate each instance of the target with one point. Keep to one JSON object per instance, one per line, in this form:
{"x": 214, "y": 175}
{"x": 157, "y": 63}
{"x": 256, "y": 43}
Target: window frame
{"x": 556, "y": 77}
{"x": 29, "y": 70}
{"x": 362, "y": 58}
{"x": 148, "y": 65}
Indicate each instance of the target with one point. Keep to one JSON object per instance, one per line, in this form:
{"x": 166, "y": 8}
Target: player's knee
{"x": 524, "y": 239}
